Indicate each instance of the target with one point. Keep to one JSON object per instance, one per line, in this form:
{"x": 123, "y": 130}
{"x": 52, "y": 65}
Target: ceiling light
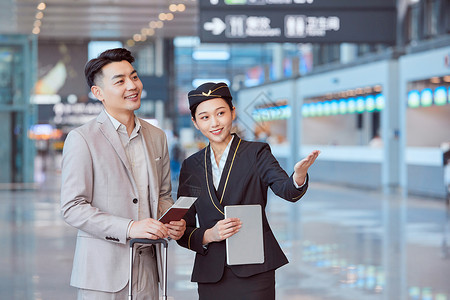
{"x": 173, "y": 7}
{"x": 181, "y": 7}
{"x": 130, "y": 43}
{"x": 39, "y": 15}
{"x": 159, "y": 24}
{"x": 153, "y": 24}
{"x": 447, "y": 78}
{"x": 37, "y": 23}
{"x": 169, "y": 16}
{"x": 137, "y": 37}
{"x": 210, "y": 55}
{"x": 162, "y": 16}
{"x": 186, "y": 41}
{"x": 41, "y": 6}
{"x": 36, "y": 30}
{"x": 435, "y": 80}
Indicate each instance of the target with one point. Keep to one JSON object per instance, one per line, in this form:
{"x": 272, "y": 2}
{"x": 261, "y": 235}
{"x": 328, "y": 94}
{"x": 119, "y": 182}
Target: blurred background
{"x": 365, "y": 82}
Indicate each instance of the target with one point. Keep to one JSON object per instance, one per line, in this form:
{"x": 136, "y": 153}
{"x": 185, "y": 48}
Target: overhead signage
{"x": 319, "y": 26}
{"x": 303, "y": 4}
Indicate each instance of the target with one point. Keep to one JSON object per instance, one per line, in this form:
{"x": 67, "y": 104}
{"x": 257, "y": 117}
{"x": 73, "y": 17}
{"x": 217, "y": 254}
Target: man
{"x": 115, "y": 185}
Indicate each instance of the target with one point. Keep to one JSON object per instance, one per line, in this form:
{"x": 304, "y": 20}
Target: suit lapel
{"x": 107, "y": 128}
{"x": 209, "y": 181}
{"x": 152, "y": 173}
{"x": 226, "y": 174}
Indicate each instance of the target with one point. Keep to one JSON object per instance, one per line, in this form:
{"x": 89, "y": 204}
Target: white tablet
{"x": 246, "y": 246}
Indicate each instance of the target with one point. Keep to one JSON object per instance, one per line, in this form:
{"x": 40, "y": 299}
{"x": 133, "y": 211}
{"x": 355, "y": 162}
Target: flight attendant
{"x": 231, "y": 171}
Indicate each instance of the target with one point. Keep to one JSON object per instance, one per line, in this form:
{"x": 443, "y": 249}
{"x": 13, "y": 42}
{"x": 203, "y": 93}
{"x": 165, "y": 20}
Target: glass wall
{"x": 17, "y": 61}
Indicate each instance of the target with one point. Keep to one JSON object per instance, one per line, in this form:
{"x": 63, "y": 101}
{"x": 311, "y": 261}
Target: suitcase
{"x": 164, "y": 259}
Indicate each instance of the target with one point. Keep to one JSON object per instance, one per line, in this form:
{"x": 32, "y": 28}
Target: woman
{"x": 231, "y": 171}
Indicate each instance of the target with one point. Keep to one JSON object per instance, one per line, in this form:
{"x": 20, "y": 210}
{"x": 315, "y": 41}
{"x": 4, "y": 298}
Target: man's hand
{"x": 176, "y": 229}
{"x": 301, "y": 168}
{"x": 222, "y": 230}
{"x": 148, "y": 229}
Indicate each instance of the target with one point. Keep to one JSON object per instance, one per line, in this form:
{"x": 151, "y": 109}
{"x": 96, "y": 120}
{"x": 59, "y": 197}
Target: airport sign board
{"x": 296, "y": 26}
{"x": 298, "y": 21}
{"x": 302, "y": 4}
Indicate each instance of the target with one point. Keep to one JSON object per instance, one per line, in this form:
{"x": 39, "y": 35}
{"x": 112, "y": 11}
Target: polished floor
{"x": 342, "y": 243}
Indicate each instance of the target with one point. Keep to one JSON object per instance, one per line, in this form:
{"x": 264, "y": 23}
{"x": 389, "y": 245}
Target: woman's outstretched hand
{"x": 301, "y": 168}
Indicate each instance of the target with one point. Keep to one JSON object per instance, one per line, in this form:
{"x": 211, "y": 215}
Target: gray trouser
{"x": 145, "y": 280}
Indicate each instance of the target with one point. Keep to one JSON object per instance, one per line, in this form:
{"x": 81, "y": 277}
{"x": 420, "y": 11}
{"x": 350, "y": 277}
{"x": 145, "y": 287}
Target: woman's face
{"x": 214, "y": 119}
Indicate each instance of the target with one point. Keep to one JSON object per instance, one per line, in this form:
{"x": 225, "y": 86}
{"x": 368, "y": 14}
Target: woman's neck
{"x": 219, "y": 148}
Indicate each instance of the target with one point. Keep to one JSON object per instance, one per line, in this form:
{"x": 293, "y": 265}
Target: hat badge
{"x": 206, "y": 94}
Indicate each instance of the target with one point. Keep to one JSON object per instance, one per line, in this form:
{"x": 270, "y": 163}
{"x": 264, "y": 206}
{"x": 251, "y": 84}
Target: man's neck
{"x": 126, "y": 119}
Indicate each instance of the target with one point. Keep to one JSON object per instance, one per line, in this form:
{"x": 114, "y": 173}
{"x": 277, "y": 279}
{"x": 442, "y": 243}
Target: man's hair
{"x": 93, "y": 68}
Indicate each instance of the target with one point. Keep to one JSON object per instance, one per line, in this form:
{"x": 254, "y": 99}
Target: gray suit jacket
{"x": 98, "y": 195}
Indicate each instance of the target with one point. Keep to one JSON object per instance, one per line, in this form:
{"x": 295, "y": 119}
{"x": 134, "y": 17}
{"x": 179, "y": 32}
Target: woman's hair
{"x": 93, "y": 68}
{"x": 194, "y": 107}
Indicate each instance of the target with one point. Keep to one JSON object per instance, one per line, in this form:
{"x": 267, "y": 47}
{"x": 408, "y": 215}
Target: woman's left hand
{"x": 301, "y": 168}
{"x": 176, "y": 229}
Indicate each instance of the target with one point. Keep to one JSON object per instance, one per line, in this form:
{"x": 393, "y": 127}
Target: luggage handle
{"x": 164, "y": 259}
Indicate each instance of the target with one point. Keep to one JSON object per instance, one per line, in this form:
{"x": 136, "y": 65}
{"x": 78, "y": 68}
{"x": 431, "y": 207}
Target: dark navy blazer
{"x": 249, "y": 171}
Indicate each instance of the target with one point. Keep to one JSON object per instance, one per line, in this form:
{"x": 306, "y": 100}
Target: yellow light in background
{"x": 137, "y": 37}
{"x": 36, "y": 30}
{"x": 148, "y": 31}
{"x": 41, "y": 6}
{"x": 39, "y": 15}
{"x": 377, "y": 88}
{"x": 173, "y": 7}
{"x": 169, "y": 16}
{"x": 130, "y": 43}
{"x": 159, "y": 24}
{"x": 181, "y": 7}
{"x": 447, "y": 78}
{"x": 368, "y": 90}
{"x": 162, "y": 16}
{"x": 37, "y": 23}
{"x": 435, "y": 80}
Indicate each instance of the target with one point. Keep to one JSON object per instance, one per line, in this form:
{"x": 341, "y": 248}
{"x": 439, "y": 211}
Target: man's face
{"x": 119, "y": 88}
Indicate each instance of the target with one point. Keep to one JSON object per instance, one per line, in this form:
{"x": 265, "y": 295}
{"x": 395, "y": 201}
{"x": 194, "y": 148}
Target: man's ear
{"x": 97, "y": 92}
{"x": 195, "y": 123}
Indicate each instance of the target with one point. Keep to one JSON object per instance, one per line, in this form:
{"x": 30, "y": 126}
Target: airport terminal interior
{"x": 365, "y": 82}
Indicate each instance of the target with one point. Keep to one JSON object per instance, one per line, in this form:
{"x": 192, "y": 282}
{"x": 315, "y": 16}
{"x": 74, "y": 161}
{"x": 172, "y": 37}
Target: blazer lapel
{"x": 209, "y": 181}
{"x": 152, "y": 173}
{"x": 227, "y": 173}
{"x": 111, "y": 135}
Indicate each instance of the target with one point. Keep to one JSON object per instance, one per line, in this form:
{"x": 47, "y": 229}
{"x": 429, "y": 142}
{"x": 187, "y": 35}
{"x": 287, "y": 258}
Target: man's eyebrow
{"x": 122, "y": 75}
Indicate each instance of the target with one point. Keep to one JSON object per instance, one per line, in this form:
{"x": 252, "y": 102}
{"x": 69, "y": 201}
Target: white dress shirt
{"x": 217, "y": 170}
{"x": 133, "y": 145}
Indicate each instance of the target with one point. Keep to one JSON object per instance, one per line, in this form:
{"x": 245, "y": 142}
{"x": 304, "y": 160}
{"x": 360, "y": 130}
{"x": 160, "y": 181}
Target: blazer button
{"x": 135, "y": 200}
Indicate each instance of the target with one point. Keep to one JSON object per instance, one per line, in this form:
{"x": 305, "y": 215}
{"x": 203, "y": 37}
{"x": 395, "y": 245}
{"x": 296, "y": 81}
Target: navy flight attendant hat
{"x": 207, "y": 91}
